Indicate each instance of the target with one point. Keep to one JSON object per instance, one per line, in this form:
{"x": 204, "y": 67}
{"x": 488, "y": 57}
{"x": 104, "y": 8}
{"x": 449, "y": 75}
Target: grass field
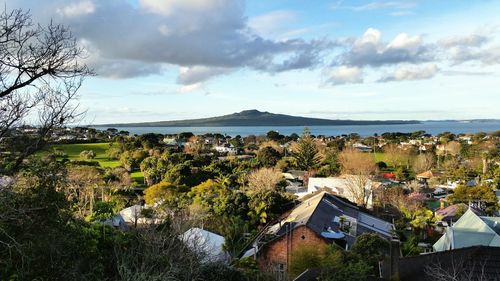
{"x": 137, "y": 176}
{"x": 73, "y": 152}
{"x": 379, "y": 156}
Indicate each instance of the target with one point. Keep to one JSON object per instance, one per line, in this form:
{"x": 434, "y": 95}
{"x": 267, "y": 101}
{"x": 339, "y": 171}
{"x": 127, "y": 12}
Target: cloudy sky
{"x": 176, "y": 59}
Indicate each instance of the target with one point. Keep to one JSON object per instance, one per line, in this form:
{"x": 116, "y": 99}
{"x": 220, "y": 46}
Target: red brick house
{"x": 319, "y": 221}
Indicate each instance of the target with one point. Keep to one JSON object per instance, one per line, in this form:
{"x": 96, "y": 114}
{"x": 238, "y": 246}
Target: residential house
{"x": 226, "y": 148}
{"x": 295, "y": 182}
{"x": 208, "y": 244}
{"x": 117, "y": 222}
{"x": 362, "y": 147}
{"x": 318, "y": 221}
{"x": 426, "y": 147}
{"x": 470, "y": 230}
{"x": 341, "y": 187}
{"x": 428, "y": 175}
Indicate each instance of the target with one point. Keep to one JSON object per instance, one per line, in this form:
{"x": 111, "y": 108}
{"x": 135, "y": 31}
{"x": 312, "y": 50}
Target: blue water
{"x": 431, "y": 127}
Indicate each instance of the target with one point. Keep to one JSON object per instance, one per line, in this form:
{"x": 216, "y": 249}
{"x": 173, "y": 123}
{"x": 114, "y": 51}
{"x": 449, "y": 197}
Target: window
{"x": 279, "y": 270}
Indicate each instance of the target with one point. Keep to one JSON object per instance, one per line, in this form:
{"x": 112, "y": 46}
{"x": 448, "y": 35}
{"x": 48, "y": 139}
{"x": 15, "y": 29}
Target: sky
{"x": 160, "y": 60}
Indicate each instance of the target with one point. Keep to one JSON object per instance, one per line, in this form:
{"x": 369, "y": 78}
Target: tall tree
{"x": 306, "y": 153}
{"x": 41, "y": 71}
{"x": 358, "y": 168}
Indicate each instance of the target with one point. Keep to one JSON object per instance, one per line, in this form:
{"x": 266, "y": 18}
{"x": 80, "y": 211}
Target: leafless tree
{"x": 264, "y": 179}
{"x": 41, "y": 71}
{"x": 84, "y": 187}
{"x": 459, "y": 269}
{"x": 160, "y": 253}
{"x": 424, "y": 162}
{"x": 358, "y": 168}
{"x": 397, "y": 156}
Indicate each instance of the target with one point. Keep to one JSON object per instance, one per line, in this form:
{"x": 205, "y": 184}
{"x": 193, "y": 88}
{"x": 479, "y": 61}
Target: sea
{"x": 430, "y": 127}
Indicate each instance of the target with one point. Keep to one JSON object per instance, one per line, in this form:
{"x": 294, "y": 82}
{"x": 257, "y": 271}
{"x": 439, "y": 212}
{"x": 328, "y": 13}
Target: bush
{"x": 87, "y": 154}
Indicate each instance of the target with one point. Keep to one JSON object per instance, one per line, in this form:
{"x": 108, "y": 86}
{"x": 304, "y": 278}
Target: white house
{"x": 362, "y": 147}
{"x": 339, "y": 185}
{"x": 208, "y": 242}
{"x": 226, "y": 148}
{"x": 470, "y": 230}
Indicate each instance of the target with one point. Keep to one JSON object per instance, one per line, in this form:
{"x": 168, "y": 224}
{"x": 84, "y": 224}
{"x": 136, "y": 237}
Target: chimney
{"x": 441, "y": 203}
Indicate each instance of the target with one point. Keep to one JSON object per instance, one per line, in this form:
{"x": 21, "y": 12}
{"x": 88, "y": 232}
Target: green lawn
{"x": 379, "y": 156}
{"x": 138, "y": 177}
{"x": 73, "y": 152}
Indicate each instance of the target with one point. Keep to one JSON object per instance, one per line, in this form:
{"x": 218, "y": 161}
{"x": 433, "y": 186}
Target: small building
{"x": 117, "y": 222}
{"x": 209, "y": 243}
{"x": 319, "y": 221}
{"x": 470, "y": 230}
{"x": 428, "y": 175}
{"x": 294, "y": 175}
{"x": 362, "y": 147}
{"x": 226, "y": 148}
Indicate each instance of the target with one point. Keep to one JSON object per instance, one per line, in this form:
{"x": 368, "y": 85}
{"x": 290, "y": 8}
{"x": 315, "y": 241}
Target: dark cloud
{"x": 127, "y": 40}
{"x": 209, "y": 38}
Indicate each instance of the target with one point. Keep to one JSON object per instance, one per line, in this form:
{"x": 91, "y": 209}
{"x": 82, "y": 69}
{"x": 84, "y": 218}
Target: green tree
{"x": 153, "y": 168}
{"x": 165, "y": 195}
{"x": 306, "y": 153}
{"x": 371, "y": 247}
{"x": 274, "y": 136}
{"x": 330, "y": 165}
{"x": 40, "y": 239}
{"x": 266, "y": 204}
{"x": 268, "y": 156}
{"x": 234, "y": 230}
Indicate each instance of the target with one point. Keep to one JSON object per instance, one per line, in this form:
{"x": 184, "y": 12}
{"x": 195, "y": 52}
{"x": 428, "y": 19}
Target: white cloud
{"x": 187, "y": 33}
{"x": 470, "y": 40}
{"x": 75, "y": 9}
{"x": 377, "y": 5}
{"x": 170, "y": 7}
{"x": 190, "y": 88}
{"x": 406, "y": 42}
{"x": 270, "y": 23}
{"x": 369, "y": 49}
{"x": 345, "y": 75}
{"x": 412, "y": 72}
{"x": 195, "y": 74}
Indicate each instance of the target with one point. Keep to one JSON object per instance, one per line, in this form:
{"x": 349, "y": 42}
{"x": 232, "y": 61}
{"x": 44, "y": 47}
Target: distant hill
{"x": 257, "y": 118}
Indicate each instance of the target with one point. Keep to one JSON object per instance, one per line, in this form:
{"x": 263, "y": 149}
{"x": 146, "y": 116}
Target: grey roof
{"x": 322, "y": 212}
{"x": 493, "y": 223}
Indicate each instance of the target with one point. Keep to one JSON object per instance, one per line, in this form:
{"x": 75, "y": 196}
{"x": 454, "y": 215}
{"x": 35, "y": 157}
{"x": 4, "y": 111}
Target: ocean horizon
{"x": 430, "y": 127}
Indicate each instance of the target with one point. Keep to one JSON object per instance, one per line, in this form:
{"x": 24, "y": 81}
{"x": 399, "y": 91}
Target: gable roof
{"x": 470, "y": 230}
{"x": 449, "y": 212}
{"x": 322, "y": 212}
{"x": 209, "y": 243}
{"x": 428, "y": 174}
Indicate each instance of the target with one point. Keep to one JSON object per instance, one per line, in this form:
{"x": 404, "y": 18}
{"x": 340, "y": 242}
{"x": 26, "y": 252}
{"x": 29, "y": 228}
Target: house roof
{"x": 428, "y": 174}
{"x": 470, "y": 230}
{"x": 450, "y": 211}
{"x": 322, "y": 212}
{"x": 206, "y": 241}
